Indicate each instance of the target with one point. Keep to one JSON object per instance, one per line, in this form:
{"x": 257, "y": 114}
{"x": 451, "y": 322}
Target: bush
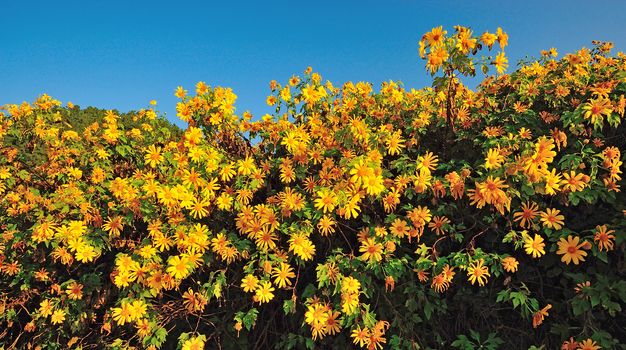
{"x": 444, "y": 217}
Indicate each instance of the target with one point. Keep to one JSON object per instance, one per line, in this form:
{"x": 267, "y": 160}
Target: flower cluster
{"x": 342, "y": 210}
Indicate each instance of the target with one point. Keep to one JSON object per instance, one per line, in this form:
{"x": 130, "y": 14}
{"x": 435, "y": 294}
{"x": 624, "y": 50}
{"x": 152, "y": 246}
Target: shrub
{"x": 406, "y": 219}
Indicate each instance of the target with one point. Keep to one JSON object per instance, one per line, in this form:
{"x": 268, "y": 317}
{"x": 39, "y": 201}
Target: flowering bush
{"x": 406, "y": 219}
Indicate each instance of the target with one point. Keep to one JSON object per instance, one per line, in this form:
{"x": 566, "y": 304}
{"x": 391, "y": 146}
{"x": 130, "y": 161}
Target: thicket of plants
{"x": 444, "y": 217}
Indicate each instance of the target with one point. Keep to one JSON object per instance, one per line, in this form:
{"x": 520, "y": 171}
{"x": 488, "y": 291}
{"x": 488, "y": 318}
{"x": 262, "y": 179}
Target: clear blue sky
{"x": 122, "y": 54}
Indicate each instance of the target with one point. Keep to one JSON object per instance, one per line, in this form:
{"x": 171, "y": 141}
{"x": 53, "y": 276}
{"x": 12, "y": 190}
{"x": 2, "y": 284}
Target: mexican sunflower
{"x": 571, "y": 250}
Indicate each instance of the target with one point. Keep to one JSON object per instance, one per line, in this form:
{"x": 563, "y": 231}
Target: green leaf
{"x": 428, "y": 309}
{"x": 475, "y": 335}
{"x": 288, "y": 307}
{"x": 249, "y": 318}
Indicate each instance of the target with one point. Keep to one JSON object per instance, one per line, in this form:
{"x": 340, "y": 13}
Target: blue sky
{"x": 122, "y": 54}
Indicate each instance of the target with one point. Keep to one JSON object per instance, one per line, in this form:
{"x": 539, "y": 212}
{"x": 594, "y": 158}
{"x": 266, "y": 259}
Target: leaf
{"x": 579, "y": 306}
{"x": 249, "y": 318}
{"x": 159, "y": 336}
{"x": 428, "y": 309}
{"x": 502, "y": 295}
{"x": 121, "y": 150}
{"x": 308, "y": 291}
{"x": 462, "y": 342}
{"x": 602, "y": 257}
{"x": 475, "y": 335}
{"x": 288, "y": 306}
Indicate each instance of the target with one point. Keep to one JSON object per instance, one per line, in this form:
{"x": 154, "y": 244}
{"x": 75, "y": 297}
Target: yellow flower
{"x": 349, "y": 302}
{"x": 86, "y": 253}
{"x": 316, "y": 314}
{"x": 147, "y": 252}
{"x": 326, "y": 200}
{"x": 180, "y": 92}
{"x": 360, "y": 172}
{"x": 494, "y": 159}
{"x": 395, "y": 143}
{"x": 534, "y": 246}
{"x": 113, "y": 225}
{"x": 123, "y": 314}
{"x": 361, "y": 336}
{"x": 502, "y": 37}
{"x": 399, "y": 228}
{"x": 45, "y": 308}
{"x": 501, "y": 63}
{"x": 44, "y": 232}
{"x": 201, "y": 88}
{"x": 372, "y": 251}
{"x": 75, "y": 291}
{"x": 477, "y": 272}
{"x": 351, "y": 208}
{"x": 588, "y": 344}
{"x": 488, "y": 39}
{"x": 527, "y": 215}
{"x": 143, "y": 327}
{"x": 301, "y": 246}
{"x": 227, "y": 172}
{"x": 224, "y": 201}
{"x": 246, "y": 166}
{"x": 596, "y": 109}
{"x": 138, "y": 309}
{"x": 153, "y": 156}
{"x": 282, "y": 275}
{"x": 178, "y": 267}
{"x": 465, "y": 41}
{"x": 266, "y": 239}
{"x": 264, "y": 293}
{"x": 419, "y": 216}
{"x": 374, "y": 185}
{"x": 285, "y": 94}
{"x": 539, "y": 315}
{"x": 249, "y": 283}
{"x": 553, "y": 182}
{"x": 198, "y": 208}
{"x": 58, "y": 316}
{"x": 435, "y": 37}
{"x": 428, "y": 161}
{"x": 195, "y": 343}
{"x": 326, "y": 225}
{"x": 350, "y": 285}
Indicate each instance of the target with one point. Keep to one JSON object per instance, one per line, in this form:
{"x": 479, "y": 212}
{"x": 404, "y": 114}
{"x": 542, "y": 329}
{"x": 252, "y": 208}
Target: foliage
{"x": 410, "y": 219}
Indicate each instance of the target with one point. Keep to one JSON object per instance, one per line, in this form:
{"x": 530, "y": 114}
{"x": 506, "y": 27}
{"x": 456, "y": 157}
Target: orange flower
{"x": 551, "y": 219}
{"x": 372, "y": 251}
{"x": 438, "y": 224}
{"x": 527, "y": 215}
{"x": 604, "y": 238}
{"x": 571, "y": 250}
{"x": 539, "y": 315}
{"x": 75, "y": 291}
{"x": 588, "y": 344}
{"x": 439, "y": 283}
{"x": 574, "y": 182}
{"x": 510, "y": 264}
{"x": 570, "y": 344}
{"x": 399, "y": 228}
